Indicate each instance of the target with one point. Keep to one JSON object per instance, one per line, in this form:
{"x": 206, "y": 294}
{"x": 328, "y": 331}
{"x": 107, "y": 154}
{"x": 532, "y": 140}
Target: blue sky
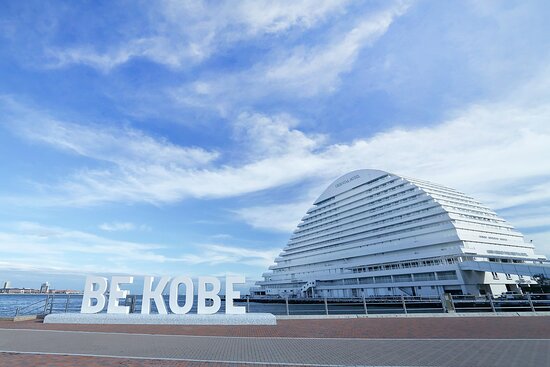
{"x": 188, "y": 137}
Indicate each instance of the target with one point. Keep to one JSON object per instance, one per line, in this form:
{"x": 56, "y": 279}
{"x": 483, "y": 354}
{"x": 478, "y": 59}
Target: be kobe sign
{"x": 94, "y": 298}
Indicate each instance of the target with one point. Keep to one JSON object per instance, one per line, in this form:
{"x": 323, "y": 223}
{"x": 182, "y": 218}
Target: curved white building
{"x": 376, "y": 233}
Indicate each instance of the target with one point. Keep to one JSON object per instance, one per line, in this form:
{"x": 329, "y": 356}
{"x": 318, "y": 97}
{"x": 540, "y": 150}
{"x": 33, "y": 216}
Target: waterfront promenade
{"x": 398, "y": 341}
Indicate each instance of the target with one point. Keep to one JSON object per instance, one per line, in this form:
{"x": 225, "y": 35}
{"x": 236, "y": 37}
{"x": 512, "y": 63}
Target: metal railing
{"x": 385, "y": 305}
{"x": 51, "y": 303}
{"x": 507, "y": 303}
{"x": 403, "y": 305}
{"x": 324, "y": 306}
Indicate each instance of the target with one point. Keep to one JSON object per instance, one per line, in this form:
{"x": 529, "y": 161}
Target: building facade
{"x": 374, "y": 233}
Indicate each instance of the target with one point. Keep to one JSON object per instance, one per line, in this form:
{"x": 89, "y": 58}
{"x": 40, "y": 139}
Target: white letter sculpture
{"x": 230, "y": 294}
{"x": 174, "y": 293}
{"x": 155, "y": 295}
{"x": 91, "y": 293}
{"x": 115, "y": 294}
{"x": 96, "y": 288}
{"x": 203, "y": 294}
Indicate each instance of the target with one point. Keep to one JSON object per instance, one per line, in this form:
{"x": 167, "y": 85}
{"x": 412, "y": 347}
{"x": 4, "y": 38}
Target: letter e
{"x": 230, "y": 294}
{"x": 115, "y": 294}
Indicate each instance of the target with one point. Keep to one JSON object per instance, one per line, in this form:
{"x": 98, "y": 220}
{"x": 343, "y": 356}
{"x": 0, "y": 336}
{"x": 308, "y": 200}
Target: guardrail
{"x": 366, "y": 306}
{"x": 508, "y": 303}
{"x": 51, "y": 303}
{"x": 318, "y": 306}
{"x": 404, "y": 305}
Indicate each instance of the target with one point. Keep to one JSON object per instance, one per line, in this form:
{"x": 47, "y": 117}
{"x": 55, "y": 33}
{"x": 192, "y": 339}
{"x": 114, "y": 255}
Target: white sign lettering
{"x": 116, "y": 294}
{"x": 94, "y": 298}
{"x": 94, "y": 288}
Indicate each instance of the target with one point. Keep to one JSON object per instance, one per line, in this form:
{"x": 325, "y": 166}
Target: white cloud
{"x": 302, "y": 71}
{"x": 530, "y": 216}
{"x": 157, "y": 49}
{"x": 269, "y": 136}
{"x": 496, "y": 151}
{"x": 279, "y": 217}
{"x": 275, "y": 17}
{"x": 123, "y": 226}
{"x": 214, "y": 254}
{"x": 122, "y": 146}
{"x": 187, "y": 32}
{"x": 484, "y": 150}
{"x": 222, "y": 236}
{"x": 316, "y": 70}
{"x": 541, "y": 240}
{"x": 28, "y": 246}
{"x": 32, "y": 246}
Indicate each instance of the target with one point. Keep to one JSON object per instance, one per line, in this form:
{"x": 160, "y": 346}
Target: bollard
{"x": 452, "y": 302}
{"x": 326, "y": 306}
{"x": 51, "y": 304}
{"x": 247, "y": 304}
{"x": 130, "y": 301}
{"x": 46, "y": 304}
{"x": 286, "y": 301}
{"x": 443, "y": 306}
{"x": 67, "y": 303}
{"x": 490, "y": 296}
{"x": 404, "y": 305}
{"x": 531, "y": 302}
{"x": 365, "y": 304}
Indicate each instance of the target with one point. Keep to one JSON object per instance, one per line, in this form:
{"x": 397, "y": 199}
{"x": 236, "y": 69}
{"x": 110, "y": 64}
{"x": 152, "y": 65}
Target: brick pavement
{"x": 297, "y": 351}
{"x": 528, "y": 327}
{"x": 33, "y": 360}
{"x": 533, "y": 353}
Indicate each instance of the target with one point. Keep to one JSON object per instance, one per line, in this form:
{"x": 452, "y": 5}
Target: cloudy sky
{"x": 189, "y": 137}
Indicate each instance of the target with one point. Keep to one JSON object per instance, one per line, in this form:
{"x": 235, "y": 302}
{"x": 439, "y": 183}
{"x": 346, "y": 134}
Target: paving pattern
{"x": 525, "y": 327}
{"x": 518, "y": 341}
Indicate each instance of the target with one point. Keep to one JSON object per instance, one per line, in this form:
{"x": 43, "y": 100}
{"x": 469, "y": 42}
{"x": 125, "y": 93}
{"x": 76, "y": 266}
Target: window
{"x": 495, "y": 275}
{"x": 508, "y": 276}
{"x": 424, "y": 277}
{"x": 383, "y": 279}
{"x": 402, "y": 278}
{"x": 368, "y": 280}
{"x": 446, "y": 275}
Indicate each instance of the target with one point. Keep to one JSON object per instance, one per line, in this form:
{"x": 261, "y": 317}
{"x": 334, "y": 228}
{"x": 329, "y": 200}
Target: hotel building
{"x": 375, "y": 233}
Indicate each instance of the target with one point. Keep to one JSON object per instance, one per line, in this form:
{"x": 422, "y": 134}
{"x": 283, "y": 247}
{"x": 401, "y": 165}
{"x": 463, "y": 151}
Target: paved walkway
{"x": 528, "y": 327}
{"x": 293, "y": 351}
{"x": 523, "y": 341}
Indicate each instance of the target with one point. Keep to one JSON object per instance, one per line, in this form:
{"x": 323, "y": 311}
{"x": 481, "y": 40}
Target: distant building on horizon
{"x": 374, "y": 233}
{"x": 45, "y": 287}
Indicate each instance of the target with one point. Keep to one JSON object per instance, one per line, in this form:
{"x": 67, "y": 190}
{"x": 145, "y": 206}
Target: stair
{"x": 309, "y": 284}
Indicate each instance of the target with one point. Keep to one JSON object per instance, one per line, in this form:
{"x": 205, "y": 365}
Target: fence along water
{"x": 17, "y": 305}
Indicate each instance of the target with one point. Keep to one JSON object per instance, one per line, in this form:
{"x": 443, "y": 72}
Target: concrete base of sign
{"x": 171, "y": 319}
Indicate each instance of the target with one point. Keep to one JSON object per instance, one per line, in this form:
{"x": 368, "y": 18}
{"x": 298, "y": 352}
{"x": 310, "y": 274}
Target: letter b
{"x": 91, "y": 293}
{"x": 203, "y": 294}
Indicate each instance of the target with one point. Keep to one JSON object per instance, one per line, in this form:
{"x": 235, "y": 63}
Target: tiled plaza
{"x": 420, "y": 341}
